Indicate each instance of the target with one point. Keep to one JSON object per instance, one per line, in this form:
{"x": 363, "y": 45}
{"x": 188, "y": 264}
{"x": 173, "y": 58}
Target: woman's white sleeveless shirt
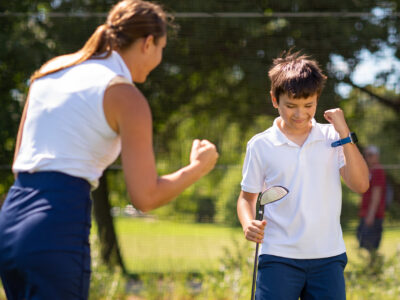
{"x": 66, "y": 129}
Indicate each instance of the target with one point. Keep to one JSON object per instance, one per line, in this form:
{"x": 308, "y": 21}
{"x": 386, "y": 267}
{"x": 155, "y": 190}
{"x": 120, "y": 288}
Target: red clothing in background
{"x": 377, "y": 178}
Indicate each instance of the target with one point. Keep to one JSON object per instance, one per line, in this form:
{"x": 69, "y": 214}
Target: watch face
{"x": 353, "y": 137}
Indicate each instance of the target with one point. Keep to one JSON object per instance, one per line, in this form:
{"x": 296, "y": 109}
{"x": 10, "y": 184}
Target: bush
{"x": 379, "y": 280}
{"x": 205, "y": 210}
{"x": 2, "y": 294}
{"x": 232, "y": 281}
{"x": 234, "y": 278}
{"x": 106, "y": 283}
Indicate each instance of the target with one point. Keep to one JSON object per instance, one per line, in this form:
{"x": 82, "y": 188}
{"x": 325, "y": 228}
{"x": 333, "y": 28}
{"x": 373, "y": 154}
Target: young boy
{"x": 303, "y": 252}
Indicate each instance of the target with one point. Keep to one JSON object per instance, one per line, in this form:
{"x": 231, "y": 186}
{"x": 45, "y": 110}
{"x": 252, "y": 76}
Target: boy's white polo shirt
{"x": 306, "y": 223}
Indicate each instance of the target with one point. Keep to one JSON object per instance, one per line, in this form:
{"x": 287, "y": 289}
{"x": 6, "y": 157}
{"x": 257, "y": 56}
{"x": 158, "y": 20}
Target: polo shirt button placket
{"x": 301, "y": 158}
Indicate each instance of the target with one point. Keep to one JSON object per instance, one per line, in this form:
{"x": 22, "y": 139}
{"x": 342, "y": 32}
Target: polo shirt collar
{"x": 316, "y": 133}
{"x": 278, "y": 138}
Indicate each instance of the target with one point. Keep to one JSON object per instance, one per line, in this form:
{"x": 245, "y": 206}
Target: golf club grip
{"x": 254, "y": 273}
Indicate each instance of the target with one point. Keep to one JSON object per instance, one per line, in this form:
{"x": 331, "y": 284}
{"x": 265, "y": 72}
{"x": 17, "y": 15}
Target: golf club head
{"x": 273, "y": 194}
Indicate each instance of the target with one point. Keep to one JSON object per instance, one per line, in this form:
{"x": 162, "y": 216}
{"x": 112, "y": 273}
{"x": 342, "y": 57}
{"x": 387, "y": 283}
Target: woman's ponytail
{"x": 127, "y": 21}
{"x": 98, "y": 43}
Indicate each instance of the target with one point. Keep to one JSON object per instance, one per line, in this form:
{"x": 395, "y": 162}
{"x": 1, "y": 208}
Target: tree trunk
{"x": 392, "y": 103}
{"x": 110, "y": 252}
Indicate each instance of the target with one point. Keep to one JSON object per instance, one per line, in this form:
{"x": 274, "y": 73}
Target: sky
{"x": 370, "y": 66}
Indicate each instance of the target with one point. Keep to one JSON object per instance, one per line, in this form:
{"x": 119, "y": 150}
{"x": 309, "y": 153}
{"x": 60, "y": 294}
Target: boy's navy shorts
{"x": 44, "y": 237}
{"x": 282, "y": 278}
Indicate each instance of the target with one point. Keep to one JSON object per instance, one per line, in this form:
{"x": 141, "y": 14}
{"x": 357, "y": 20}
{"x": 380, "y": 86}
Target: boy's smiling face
{"x": 296, "y": 114}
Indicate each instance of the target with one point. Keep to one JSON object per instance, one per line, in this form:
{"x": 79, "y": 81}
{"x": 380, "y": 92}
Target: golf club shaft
{"x": 254, "y": 273}
{"x": 258, "y": 217}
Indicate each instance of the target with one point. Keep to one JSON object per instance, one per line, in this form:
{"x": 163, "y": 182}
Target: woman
{"x": 82, "y": 112}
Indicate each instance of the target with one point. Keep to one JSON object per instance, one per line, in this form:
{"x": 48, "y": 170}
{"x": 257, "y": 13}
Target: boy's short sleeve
{"x": 342, "y": 161}
{"x": 333, "y": 135}
{"x": 252, "y": 173}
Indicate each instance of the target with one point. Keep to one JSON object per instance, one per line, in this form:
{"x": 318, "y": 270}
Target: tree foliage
{"x": 213, "y": 80}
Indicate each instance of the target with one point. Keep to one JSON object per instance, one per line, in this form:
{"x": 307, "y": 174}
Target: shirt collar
{"x": 316, "y": 133}
{"x": 279, "y": 138}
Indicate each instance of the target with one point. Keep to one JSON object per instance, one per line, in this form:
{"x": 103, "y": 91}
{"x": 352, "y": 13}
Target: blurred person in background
{"x": 372, "y": 208}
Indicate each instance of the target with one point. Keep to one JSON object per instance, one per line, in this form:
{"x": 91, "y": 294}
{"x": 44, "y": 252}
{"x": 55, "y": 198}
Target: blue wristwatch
{"x": 352, "y": 138}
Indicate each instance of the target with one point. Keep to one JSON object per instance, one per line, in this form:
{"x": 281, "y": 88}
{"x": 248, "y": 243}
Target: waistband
{"x": 50, "y": 178}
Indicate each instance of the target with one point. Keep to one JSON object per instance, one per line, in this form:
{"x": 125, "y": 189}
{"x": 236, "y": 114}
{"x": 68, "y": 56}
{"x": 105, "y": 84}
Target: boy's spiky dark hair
{"x": 296, "y": 75}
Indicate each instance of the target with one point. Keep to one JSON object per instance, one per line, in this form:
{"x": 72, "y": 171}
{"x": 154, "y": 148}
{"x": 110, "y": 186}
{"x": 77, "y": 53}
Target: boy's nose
{"x": 298, "y": 113}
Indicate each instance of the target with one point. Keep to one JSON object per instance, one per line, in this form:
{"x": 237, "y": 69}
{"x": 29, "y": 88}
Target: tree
{"x": 214, "y": 71}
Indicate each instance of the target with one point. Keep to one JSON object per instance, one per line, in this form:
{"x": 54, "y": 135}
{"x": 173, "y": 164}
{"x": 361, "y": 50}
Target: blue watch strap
{"x": 341, "y": 142}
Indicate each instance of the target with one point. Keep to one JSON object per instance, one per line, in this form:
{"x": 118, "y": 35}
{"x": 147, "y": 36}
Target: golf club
{"x": 270, "y": 195}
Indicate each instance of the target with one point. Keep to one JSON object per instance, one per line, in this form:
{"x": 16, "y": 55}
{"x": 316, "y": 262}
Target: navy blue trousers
{"x": 280, "y": 278}
{"x": 44, "y": 237}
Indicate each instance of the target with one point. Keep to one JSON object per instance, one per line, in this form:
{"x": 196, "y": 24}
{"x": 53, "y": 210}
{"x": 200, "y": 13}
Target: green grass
{"x": 150, "y": 245}
{"x": 390, "y": 244}
{"x": 154, "y": 246}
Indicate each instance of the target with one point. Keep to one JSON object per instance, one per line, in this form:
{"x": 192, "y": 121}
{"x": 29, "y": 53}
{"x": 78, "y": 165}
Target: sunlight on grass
{"x": 389, "y": 245}
{"x": 149, "y": 245}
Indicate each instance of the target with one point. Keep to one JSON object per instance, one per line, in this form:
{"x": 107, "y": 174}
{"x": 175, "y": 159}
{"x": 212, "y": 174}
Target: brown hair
{"x": 126, "y": 22}
{"x": 296, "y": 75}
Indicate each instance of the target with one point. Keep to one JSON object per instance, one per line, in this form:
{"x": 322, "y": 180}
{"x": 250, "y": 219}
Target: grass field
{"x": 150, "y": 245}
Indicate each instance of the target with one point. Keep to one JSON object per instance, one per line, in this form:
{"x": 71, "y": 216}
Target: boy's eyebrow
{"x": 294, "y": 102}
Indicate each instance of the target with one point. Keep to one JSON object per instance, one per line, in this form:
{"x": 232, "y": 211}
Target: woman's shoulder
{"x": 120, "y": 80}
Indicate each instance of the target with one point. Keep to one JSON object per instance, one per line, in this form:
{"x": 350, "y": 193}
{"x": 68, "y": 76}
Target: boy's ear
{"x": 274, "y": 101}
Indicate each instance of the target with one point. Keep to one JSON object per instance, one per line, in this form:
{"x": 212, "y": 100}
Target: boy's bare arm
{"x": 246, "y": 207}
{"x": 355, "y": 173}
